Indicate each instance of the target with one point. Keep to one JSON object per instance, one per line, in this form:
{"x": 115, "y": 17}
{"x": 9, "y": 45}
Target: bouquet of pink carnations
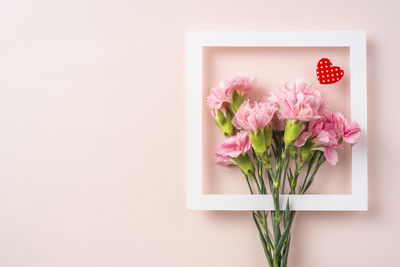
{"x": 281, "y": 140}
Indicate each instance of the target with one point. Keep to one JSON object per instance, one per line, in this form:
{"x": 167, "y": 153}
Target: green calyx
{"x": 293, "y": 151}
{"x": 224, "y": 122}
{"x": 268, "y": 135}
{"x": 261, "y": 139}
{"x": 316, "y": 156}
{"x": 292, "y": 131}
{"x": 257, "y": 140}
{"x": 306, "y": 152}
{"x": 237, "y": 100}
{"x": 244, "y": 163}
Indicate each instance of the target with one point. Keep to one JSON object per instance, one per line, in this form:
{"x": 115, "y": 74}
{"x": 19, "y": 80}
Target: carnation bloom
{"x": 254, "y": 116}
{"x": 278, "y": 122}
{"x": 233, "y": 147}
{"x": 348, "y": 130}
{"x": 240, "y": 83}
{"x": 298, "y": 101}
{"x": 223, "y": 160}
{"x": 223, "y": 92}
{"x": 216, "y": 98}
{"x": 226, "y": 98}
{"x": 324, "y": 138}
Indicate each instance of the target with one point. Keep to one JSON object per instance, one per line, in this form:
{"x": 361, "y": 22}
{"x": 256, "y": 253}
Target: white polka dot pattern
{"x": 328, "y": 74}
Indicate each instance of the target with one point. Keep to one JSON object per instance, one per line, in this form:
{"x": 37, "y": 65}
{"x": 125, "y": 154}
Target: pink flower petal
{"x": 254, "y": 116}
{"x": 232, "y": 147}
{"x": 302, "y": 139}
{"x": 298, "y": 101}
{"x": 331, "y": 155}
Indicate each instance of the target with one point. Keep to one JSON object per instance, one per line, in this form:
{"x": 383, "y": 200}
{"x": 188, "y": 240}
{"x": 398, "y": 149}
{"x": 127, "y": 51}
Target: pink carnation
{"x": 324, "y": 138}
{"x": 278, "y": 122}
{"x": 253, "y": 116}
{"x": 233, "y": 147}
{"x": 216, "y": 98}
{"x": 223, "y": 160}
{"x": 298, "y": 101}
{"x": 240, "y": 83}
{"x": 330, "y": 154}
{"x": 327, "y": 137}
{"x": 348, "y": 130}
{"x": 221, "y": 95}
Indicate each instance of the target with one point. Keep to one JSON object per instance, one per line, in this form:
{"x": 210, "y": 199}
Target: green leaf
{"x": 285, "y": 234}
{"x": 287, "y": 212}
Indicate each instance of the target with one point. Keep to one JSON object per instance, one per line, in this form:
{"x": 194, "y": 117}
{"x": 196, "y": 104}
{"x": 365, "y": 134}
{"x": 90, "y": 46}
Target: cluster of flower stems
{"x": 279, "y": 165}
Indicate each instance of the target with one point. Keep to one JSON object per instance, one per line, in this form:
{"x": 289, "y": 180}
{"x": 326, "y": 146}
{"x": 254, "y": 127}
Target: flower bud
{"x": 292, "y": 131}
{"x": 244, "y": 163}
{"x": 257, "y": 140}
{"x": 225, "y": 123}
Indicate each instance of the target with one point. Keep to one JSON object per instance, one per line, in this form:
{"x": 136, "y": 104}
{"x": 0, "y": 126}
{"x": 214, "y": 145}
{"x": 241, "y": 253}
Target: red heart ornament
{"x": 328, "y": 74}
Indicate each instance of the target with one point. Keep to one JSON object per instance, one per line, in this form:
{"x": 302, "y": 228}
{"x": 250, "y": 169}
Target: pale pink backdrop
{"x": 92, "y": 140}
{"x": 272, "y": 67}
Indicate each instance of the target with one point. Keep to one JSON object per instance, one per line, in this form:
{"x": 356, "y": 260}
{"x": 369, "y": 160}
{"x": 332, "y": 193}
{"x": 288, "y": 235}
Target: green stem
{"x": 260, "y": 176}
{"x": 305, "y": 188}
{"x": 263, "y": 241}
{"x": 286, "y": 244}
{"x": 276, "y": 218}
{"x": 295, "y": 178}
{"x": 310, "y": 164}
{"x": 276, "y": 248}
{"x": 248, "y": 183}
{"x": 285, "y": 233}
{"x": 286, "y": 252}
{"x": 280, "y": 166}
{"x": 265, "y": 216}
{"x": 273, "y": 150}
{"x": 260, "y": 184}
{"x": 284, "y": 175}
{"x": 256, "y": 181}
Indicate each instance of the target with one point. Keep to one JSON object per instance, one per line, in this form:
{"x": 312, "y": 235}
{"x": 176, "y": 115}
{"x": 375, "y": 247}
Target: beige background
{"x": 92, "y": 140}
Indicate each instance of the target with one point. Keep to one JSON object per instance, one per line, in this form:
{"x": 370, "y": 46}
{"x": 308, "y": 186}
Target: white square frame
{"x": 196, "y": 40}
